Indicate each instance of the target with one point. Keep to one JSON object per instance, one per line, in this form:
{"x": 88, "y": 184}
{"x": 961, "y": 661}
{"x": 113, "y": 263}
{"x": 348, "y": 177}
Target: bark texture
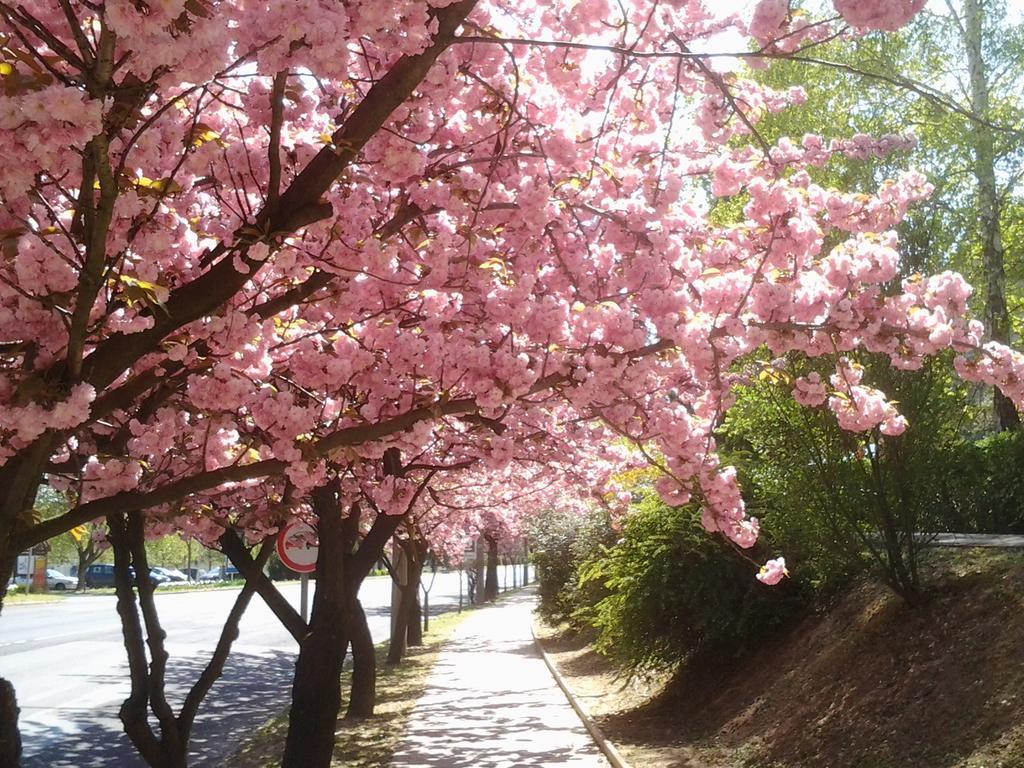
{"x": 491, "y": 583}
{"x": 363, "y": 696}
{"x": 997, "y": 315}
{"x": 10, "y": 738}
{"x": 316, "y": 688}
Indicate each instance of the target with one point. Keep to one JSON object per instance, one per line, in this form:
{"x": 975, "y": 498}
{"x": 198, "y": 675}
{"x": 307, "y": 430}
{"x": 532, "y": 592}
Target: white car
{"x": 173, "y": 574}
{"x": 57, "y": 581}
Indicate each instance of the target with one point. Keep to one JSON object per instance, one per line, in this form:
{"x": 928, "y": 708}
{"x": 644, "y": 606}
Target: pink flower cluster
{"x": 46, "y": 130}
{"x": 995, "y": 364}
{"x": 878, "y": 14}
{"x": 768, "y": 18}
{"x": 393, "y": 495}
{"x": 724, "y": 510}
{"x": 498, "y": 290}
{"x": 810, "y": 390}
{"x": 20, "y": 425}
{"x": 859, "y": 408}
{"x": 110, "y": 476}
{"x": 773, "y": 571}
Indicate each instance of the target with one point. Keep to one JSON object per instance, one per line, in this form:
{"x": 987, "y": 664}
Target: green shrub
{"x": 561, "y": 542}
{"x": 672, "y": 590}
{"x": 979, "y": 488}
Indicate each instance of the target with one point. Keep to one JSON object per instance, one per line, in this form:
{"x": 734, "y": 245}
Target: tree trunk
{"x": 407, "y": 629}
{"x": 10, "y": 738}
{"x": 358, "y": 564}
{"x": 997, "y": 316}
{"x": 316, "y": 689}
{"x": 414, "y": 621}
{"x": 526, "y": 563}
{"x": 400, "y": 566}
{"x": 215, "y": 666}
{"x": 479, "y": 569}
{"x": 400, "y": 631}
{"x": 83, "y": 557}
{"x": 491, "y": 585}
{"x": 316, "y": 698}
{"x": 19, "y": 482}
{"x": 426, "y": 610}
{"x": 134, "y": 711}
{"x": 363, "y": 695}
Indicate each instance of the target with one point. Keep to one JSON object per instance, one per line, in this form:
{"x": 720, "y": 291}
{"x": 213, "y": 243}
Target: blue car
{"x": 102, "y": 575}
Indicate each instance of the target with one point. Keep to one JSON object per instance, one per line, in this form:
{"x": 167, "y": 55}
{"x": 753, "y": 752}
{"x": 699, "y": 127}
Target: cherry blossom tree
{"x": 246, "y": 262}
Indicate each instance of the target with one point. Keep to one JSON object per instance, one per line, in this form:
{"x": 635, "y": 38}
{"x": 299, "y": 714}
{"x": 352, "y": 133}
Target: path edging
{"x": 603, "y": 744}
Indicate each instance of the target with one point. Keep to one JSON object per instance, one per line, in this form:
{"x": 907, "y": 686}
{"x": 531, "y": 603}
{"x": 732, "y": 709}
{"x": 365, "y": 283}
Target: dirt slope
{"x": 872, "y": 684}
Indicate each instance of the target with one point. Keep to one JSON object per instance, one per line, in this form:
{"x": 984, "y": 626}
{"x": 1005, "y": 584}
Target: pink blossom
{"x": 878, "y": 14}
{"x": 773, "y": 571}
{"x": 810, "y": 390}
{"x": 769, "y": 16}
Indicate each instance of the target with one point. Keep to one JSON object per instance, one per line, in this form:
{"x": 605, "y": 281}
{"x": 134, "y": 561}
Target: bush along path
{"x": 490, "y": 701}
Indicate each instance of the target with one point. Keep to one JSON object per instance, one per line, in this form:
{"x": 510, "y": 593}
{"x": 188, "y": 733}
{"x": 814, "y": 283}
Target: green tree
{"x": 844, "y": 500}
{"x": 953, "y": 77}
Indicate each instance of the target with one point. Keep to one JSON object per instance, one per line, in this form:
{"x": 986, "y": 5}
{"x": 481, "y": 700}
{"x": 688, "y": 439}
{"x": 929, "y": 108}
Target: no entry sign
{"x": 297, "y": 547}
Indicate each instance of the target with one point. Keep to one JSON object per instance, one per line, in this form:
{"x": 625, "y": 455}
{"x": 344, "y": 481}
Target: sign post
{"x": 298, "y": 547}
{"x": 304, "y": 596}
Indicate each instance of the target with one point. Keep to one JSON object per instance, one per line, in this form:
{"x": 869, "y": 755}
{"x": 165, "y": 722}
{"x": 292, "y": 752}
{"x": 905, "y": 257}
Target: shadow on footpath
{"x": 253, "y": 688}
{"x": 463, "y": 724}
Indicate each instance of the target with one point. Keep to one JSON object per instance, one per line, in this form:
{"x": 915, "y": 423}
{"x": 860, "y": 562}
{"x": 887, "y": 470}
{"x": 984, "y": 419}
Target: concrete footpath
{"x": 491, "y": 702}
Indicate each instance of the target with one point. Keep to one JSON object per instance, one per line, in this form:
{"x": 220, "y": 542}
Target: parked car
{"x": 57, "y": 581}
{"x": 102, "y": 575}
{"x": 194, "y": 574}
{"x": 222, "y": 573}
{"x": 173, "y": 574}
{"x": 210, "y": 576}
{"x": 99, "y": 575}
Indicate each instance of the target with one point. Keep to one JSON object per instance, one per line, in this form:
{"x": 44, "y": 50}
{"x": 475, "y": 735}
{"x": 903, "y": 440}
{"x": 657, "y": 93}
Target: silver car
{"x": 57, "y": 581}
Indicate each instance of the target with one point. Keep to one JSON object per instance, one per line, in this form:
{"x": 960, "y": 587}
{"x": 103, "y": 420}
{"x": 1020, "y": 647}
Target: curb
{"x": 616, "y": 760}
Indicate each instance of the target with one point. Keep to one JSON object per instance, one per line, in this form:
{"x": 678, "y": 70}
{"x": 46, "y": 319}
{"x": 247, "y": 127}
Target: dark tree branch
{"x": 155, "y": 635}
{"x": 250, "y": 568}
{"x": 212, "y": 672}
{"x": 133, "y": 712}
{"x": 274, "y": 149}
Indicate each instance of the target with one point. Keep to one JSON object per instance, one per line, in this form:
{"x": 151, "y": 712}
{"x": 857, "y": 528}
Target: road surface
{"x": 67, "y": 662}
{"x": 993, "y": 540}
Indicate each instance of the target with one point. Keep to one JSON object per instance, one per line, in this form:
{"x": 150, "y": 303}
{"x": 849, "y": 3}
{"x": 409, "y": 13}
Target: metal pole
{"x": 304, "y": 597}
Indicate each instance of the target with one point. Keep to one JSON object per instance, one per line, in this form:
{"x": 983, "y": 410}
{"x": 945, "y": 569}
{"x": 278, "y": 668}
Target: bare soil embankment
{"x": 873, "y": 683}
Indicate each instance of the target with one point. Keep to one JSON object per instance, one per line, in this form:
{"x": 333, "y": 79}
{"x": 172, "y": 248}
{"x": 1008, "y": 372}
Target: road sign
{"x": 297, "y": 546}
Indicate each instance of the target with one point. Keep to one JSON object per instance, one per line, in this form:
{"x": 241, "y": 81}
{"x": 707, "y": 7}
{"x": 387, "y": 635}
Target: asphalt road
{"x": 67, "y": 662}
